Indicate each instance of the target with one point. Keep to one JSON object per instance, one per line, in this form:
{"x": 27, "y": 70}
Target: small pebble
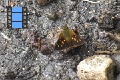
{"x": 30, "y": 2}
{"x": 38, "y": 14}
{"x": 23, "y": 3}
{"x": 43, "y": 2}
{"x": 23, "y": 68}
{"x": 12, "y": 4}
{"x": 53, "y": 16}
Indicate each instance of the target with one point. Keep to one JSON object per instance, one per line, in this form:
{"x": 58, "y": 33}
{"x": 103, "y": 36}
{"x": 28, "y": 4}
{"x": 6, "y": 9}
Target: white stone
{"x": 97, "y": 67}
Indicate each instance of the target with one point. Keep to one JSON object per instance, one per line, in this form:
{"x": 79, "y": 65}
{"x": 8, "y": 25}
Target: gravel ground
{"x": 20, "y": 61}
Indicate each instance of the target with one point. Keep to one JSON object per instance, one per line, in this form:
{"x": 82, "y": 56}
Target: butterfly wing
{"x": 76, "y": 40}
{"x": 61, "y": 43}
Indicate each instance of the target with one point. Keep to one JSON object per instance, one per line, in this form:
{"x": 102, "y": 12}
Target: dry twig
{"x": 5, "y": 36}
{"x": 107, "y": 52}
{"x": 113, "y": 37}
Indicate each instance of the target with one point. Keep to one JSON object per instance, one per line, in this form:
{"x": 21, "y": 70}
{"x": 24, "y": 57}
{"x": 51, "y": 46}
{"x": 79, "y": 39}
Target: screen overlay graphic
{"x": 16, "y": 17}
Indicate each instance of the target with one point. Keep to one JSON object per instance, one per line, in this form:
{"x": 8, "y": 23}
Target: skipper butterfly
{"x": 68, "y": 39}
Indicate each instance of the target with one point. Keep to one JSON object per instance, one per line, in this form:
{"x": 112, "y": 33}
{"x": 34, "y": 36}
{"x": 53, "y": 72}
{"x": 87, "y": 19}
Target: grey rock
{"x": 118, "y": 77}
{"x": 116, "y": 59}
{"x": 97, "y": 67}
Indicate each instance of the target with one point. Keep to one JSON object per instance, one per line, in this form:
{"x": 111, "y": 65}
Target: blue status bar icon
{"x": 17, "y": 9}
{"x": 16, "y": 17}
{"x": 16, "y": 24}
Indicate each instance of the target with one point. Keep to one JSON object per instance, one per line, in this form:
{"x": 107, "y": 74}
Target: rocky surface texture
{"x": 97, "y": 67}
{"x": 20, "y": 61}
